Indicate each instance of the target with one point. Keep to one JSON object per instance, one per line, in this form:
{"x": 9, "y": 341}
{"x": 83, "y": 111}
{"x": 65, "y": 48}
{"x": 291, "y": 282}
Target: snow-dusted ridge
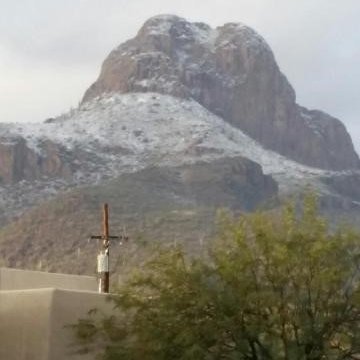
{"x": 125, "y": 133}
{"x": 149, "y": 125}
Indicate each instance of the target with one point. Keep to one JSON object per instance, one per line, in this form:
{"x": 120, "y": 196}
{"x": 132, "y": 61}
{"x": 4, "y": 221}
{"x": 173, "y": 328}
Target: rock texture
{"x": 232, "y": 72}
{"x": 346, "y": 185}
{"x": 19, "y": 162}
{"x": 236, "y": 183}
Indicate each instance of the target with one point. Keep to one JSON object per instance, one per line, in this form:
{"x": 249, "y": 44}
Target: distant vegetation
{"x": 271, "y": 287}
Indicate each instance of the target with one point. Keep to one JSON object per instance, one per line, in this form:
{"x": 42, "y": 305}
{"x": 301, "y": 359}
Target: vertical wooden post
{"x": 106, "y": 221}
{"x": 105, "y": 274}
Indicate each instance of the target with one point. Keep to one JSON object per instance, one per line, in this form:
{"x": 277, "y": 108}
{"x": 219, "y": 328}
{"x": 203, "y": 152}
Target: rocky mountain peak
{"x": 229, "y": 72}
{"x": 232, "y": 72}
{"x": 182, "y": 33}
{"x": 169, "y": 54}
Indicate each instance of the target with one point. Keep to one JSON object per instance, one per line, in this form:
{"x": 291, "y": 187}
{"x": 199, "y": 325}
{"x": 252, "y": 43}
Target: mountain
{"x": 183, "y": 119}
{"x": 232, "y": 72}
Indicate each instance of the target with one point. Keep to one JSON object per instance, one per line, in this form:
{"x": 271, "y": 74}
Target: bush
{"x": 272, "y": 287}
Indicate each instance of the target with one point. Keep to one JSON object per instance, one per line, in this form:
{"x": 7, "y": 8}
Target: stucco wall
{"x": 24, "y": 324}
{"x": 32, "y": 322}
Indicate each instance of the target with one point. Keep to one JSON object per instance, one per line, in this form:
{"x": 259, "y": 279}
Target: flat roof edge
{"x": 47, "y": 273}
{"x": 51, "y": 290}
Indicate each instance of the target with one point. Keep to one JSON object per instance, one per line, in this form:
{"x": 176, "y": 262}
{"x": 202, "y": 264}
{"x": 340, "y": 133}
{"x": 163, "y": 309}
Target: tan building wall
{"x": 15, "y": 279}
{"x": 35, "y": 308}
{"x": 32, "y": 322}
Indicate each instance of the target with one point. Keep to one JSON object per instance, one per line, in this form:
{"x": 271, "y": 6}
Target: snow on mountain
{"x": 125, "y": 133}
{"x": 232, "y": 72}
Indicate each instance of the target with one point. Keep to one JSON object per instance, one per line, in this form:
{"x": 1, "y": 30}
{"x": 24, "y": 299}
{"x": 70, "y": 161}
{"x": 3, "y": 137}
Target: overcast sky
{"x": 52, "y": 50}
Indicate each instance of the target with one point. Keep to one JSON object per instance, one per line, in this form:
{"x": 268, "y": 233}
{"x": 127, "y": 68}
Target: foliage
{"x": 272, "y": 287}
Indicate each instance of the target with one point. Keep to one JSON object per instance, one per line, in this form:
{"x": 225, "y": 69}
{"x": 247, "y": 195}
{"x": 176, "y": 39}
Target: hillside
{"x": 164, "y": 204}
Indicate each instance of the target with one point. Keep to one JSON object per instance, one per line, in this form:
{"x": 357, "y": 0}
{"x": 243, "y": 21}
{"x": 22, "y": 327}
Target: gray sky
{"x": 51, "y": 51}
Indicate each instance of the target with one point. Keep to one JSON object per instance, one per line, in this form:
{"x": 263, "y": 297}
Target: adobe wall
{"x": 24, "y": 324}
{"x": 32, "y": 322}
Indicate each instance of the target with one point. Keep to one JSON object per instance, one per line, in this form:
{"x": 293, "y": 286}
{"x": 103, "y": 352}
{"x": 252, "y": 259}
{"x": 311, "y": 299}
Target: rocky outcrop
{"x": 236, "y": 183}
{"x": 232, "y": 72}
{"x": 329, "y": 144}
{"x": 346, "y": 185}
{"x": 19, "y": 162}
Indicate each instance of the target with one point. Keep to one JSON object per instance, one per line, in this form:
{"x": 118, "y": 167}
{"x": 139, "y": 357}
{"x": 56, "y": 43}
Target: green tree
{"x": 272, "y": 287}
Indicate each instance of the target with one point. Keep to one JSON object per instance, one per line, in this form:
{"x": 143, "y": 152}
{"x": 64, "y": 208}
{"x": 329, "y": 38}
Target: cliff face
{"x": 232, "y": 72}
{"x": 19, "y": 162}
{"x": 236, "y": 183}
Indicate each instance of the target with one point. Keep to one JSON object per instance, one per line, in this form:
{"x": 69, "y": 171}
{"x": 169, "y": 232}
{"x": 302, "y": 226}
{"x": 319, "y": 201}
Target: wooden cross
{"x": 103, "y": 256}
